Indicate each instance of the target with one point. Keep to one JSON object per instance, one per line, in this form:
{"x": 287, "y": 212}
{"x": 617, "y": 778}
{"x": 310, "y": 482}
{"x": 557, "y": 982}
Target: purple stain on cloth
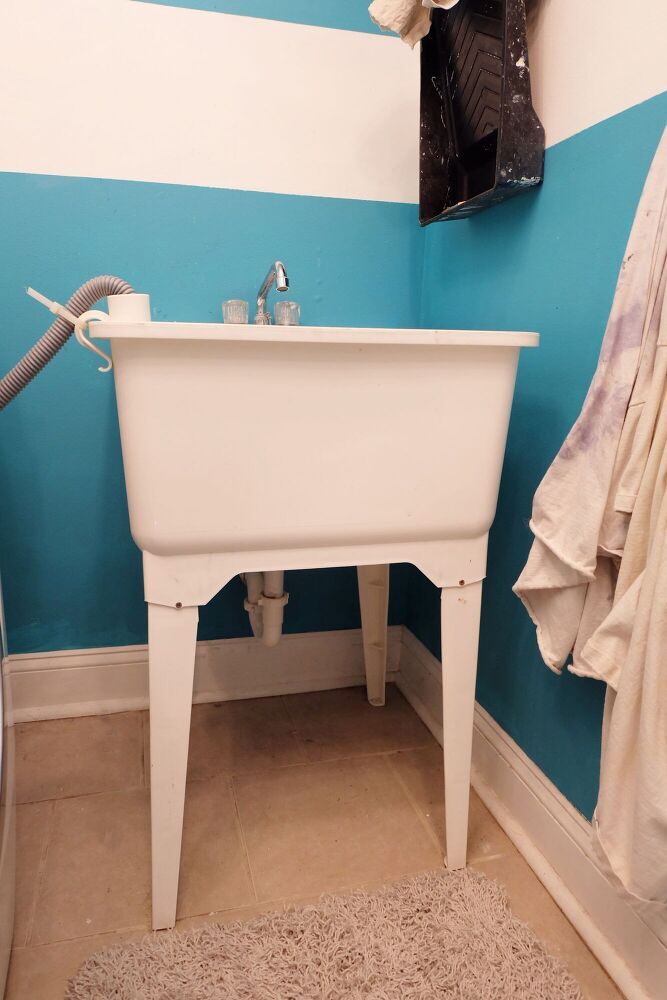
{"x": 606, "y": 403}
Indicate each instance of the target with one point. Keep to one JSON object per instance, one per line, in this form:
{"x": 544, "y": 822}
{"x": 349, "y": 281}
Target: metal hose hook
{"x": 83, "y": 299}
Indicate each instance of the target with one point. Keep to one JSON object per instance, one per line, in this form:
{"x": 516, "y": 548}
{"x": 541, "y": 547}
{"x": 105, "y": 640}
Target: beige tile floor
{"x": 287, "y": 798}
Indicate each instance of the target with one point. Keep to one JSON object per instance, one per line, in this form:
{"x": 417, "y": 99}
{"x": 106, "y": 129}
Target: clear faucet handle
{"x": 235, "y": 311}
{"x": 287, "y": 313}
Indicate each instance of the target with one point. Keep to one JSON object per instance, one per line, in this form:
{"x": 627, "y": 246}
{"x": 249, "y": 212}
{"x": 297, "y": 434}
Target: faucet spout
{"x": 277, "y": 274}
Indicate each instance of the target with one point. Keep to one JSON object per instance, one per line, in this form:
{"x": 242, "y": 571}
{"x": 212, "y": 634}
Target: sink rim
{"x": 248, "y": 333}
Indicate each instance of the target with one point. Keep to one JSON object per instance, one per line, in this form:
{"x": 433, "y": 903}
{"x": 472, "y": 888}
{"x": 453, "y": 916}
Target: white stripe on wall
{"x": 112, "y": 88}
{"x": 109, "y": 88}
{"x": 589, "y": 60}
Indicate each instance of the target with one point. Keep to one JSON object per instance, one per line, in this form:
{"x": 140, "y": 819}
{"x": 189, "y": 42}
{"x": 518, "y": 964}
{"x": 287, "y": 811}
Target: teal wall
{"x": 546, "y": 261}
{"x": 72, "y": 575}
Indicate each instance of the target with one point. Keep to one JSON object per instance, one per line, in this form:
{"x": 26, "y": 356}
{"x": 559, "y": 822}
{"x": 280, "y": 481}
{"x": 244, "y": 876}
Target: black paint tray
{"x": 480, "y": 139}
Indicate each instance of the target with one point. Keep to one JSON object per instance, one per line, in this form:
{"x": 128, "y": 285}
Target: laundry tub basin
{"x": 241, "y": 438}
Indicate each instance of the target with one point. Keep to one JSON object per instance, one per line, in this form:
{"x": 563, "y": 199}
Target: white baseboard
{"x": 115, "y": 679}
{"x": 552, "y": 836}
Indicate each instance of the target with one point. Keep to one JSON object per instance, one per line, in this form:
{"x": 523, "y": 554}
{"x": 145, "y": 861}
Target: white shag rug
{"x": 439, "y": 935}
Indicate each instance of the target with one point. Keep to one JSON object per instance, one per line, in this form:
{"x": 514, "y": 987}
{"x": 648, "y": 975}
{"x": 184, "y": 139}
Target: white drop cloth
{"x": 595, "y": 583}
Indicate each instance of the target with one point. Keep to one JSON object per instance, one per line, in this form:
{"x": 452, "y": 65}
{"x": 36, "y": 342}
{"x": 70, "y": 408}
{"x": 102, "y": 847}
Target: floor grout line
{"x": 217, "y": 776}
{"x": 235, "y": 773}
{"x": 242, "y": 836}
{"x": 413, "y": 802}
{"x": 41, "y": 872}
{"x": 130, "y": 929}
{"x": 364, "y": 755}
{"x": 86, "y": 795}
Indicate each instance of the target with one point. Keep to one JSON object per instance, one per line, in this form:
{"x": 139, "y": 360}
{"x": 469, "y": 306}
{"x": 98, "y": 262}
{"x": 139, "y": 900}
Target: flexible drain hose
{"x": 58, "y": 334}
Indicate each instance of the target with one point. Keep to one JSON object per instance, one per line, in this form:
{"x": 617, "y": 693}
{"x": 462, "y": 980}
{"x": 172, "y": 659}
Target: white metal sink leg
{"x": 374, "y": 603}
{"x": 172, "y": 643}
{"x": 460, "y": 611}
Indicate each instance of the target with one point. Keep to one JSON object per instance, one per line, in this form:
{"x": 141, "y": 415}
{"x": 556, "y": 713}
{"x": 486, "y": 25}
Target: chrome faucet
{"x": 275, "y": 273}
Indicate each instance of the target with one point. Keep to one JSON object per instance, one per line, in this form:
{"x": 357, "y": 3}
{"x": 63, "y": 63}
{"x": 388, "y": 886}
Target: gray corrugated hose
{"x": 57, "y": 334}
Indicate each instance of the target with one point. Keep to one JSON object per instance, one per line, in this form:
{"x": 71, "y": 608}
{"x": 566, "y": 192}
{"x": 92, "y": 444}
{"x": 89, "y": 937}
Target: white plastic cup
{"x": 287, "y": 313}
{"x": 235, "y": 311}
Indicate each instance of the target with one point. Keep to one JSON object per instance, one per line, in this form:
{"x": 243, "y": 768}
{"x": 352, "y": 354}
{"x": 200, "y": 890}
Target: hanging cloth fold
{"x": 595, "y": 583}
{"x": 569, "y": 580}
{"x": 411, "y": 19}
{"x": 629, "y": 649}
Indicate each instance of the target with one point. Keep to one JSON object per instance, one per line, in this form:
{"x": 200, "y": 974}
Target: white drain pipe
{"x": 264, "y": 604}
{"x": 255, "y": 584}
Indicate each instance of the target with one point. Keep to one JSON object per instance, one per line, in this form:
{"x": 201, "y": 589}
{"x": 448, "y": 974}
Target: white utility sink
{"x": 256, "y": 448}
